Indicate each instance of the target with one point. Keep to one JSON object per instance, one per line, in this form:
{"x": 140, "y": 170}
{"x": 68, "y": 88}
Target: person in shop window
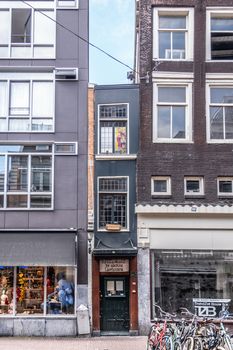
{"x": 65, "y": 290}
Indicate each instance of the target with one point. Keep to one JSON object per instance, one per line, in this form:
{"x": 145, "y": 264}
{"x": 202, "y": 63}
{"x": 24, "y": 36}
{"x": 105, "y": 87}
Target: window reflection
{"x": 6, "y": 290}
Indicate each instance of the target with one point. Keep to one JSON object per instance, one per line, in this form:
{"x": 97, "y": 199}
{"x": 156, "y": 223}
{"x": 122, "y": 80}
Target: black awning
{"x": 113, "y": 247}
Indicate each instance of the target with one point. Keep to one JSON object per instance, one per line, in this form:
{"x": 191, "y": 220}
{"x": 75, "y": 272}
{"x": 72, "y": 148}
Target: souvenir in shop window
{"x": 30, "y": 290}
{"x": 60, "y": 290}
{"x": 6, "y": 290}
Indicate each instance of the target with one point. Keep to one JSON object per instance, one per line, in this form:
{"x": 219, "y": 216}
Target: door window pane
{"x": 21, "y": 26}
{"x": 19, "y": 98}
{"x": 60, "y": 290}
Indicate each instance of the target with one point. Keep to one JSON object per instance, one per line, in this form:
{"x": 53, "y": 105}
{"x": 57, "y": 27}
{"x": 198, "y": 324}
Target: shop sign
{"x": 114, "y": 265}
{"x": 211, "y": 307}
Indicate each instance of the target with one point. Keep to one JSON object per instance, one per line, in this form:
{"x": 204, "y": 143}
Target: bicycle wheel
{"x": 198, "y": 345}
{"x": 188, "y": 344}
{"x": 166, "y": 344}
{"x": 151, "y": 339}
{"x": 177, "y": 345}
{"x": 227, "y": 343}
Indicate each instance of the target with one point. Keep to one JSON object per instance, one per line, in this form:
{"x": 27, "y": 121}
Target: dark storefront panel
{"x": 181, "y": 276}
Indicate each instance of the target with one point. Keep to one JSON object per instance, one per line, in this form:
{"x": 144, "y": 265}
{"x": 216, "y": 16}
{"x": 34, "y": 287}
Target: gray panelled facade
{"x": 43, "y": 156}
{"x": 114, "y": 260}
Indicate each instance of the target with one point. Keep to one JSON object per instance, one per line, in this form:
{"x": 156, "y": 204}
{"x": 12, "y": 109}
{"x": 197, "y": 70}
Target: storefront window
{"x": 30, "y": 290}
{"x": 181, "y": 276}
{"x": 6, "y": 290}
{"x": 60, "y": 290}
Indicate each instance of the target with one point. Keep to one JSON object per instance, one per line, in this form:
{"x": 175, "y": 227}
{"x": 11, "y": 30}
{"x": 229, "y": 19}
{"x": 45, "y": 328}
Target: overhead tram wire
{"x": 81, "y": 38}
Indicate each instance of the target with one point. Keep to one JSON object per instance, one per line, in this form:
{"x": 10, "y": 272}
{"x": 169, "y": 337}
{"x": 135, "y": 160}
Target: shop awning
{"x": 111, "y": 246}
{"x": 37, "y": 248}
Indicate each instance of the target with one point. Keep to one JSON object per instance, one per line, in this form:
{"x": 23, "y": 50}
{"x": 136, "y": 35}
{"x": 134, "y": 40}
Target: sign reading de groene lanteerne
{"x": 114, "y": 265}
{"x": 210, "y": 307}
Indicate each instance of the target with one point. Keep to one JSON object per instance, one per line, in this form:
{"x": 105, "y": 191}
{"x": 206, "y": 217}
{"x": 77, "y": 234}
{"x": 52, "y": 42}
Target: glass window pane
{"x": 222, "y": 24}
{"x": 42, "y": 91}
{"x": 229, "y": 122}
{"x": 16, "y": 201}
{"x": 4, "y": 27}
{"x": 181, "y": 276}
{"x": 4, "y": 51}
{"x": 113, "y": 184}
{"x": 160, "y": 186}
{"x": 171, "y": 94}
{"x": 21, "y": 52}
{"x": 66, "y": 3}
{"x": 225, "y": 186}
{"x": 165, "y": 45}
{"x": 41, "y": 201}
{"x": 172, "y": 22}
{"x": 19, "y": 124}
{"x": 30, "y": 290}
{"x": 2, "y": 173}
{"x": 19, "y": 98}
{"x": 21, "y": 26}
{"x": 3, "y": 124}
{"x": 113, "y": 210}
{"x": 216, "y": 122}
{"x": 164, "y": 122}
{"x": 106, "y": 139}
{"x": 178, "y": 122}
{"x": 43, "y": 52}
{"x": 41, "y": 169}
{"x": 17, "y": 173}
{"x": 6, "y": 289}
{"x": 44, "y": 31}
{"x": 3, "y": 99}
{"x": 42, "y": 124}
{"x": 60, "y": 290}
{"x": 221, "y": 95}
{"x": 113, "y": 111}
{"x": 120, "y": 139}
{"x": 178, "y": 46}
{"x": 192, "y": 186}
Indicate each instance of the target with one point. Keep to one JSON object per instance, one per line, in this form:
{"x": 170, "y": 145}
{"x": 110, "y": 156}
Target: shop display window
{"x": 30, "y": 290}
{"x": 37, "y": 290}
{"x": 180, "y": 276}
{"x": 6, "y": 289}
{"x": 60, "y": 290}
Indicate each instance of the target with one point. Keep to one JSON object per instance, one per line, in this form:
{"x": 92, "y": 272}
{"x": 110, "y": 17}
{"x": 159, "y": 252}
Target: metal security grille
{"x": 113, "y": 206}
{"x": 113, "y": 111}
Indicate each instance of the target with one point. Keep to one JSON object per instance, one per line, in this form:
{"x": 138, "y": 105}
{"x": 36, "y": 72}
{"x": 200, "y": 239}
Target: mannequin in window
{"x": 65, "y": 290}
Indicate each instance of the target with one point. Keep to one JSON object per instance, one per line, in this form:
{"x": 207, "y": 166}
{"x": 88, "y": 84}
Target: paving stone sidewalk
{"x": 98, "y": 343}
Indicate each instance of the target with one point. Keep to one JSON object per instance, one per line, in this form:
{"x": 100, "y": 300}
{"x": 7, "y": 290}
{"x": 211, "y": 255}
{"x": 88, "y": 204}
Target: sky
{"x": 111, "y": 24}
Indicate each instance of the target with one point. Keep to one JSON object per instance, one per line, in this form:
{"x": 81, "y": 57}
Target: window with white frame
{"x": 113, "y": 201}
{"x": 21, "y": 107}
{"x": 220, "y": 34}
{"x": 225, "y": 186}
{"x": 220, "y": 113}
{"x": 161, "y": 186}
{"x": 193, "y": 185}
{"x": 67, "y": 3}
{"x": 173, "y": 34}
{"x": 27, "y": 32}
{"x": 113, "y": 128}
{"x": 172, "y": 112}
{"x": 25, "y": 177}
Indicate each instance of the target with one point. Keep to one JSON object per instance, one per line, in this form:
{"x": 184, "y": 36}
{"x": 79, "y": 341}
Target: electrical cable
{"x": 81, "y": 38}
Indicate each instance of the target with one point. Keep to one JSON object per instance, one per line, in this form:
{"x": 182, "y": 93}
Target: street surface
{"x": 97, "y": 343}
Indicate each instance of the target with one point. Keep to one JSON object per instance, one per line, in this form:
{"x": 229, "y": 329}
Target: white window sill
{"x": 116, "y": 156}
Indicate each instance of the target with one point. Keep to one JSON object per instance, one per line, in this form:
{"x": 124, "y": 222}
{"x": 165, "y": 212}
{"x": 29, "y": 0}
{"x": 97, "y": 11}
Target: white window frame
{"x": 189, "y": 37}
{"x": 168, "y": 184}
{"x": 38, "y": 6}
{"x": 161, "y": 79}
{"x": 221, "y": 12}
{"x": 216, "y": 80}
{"x": 225, "y": 178}
{"x": 201, "y": 185}
{"x": 66, "y": 7}
{"x": 29, "y": 191}
{"x": 124, "y": 119}
{"x": 68, "y": 153}
{"x": 123, "y": 229}
{"x": 27, "y": 77}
